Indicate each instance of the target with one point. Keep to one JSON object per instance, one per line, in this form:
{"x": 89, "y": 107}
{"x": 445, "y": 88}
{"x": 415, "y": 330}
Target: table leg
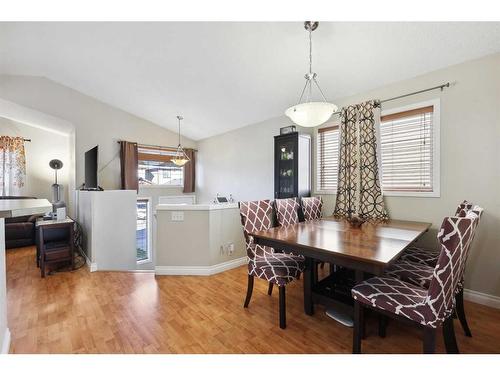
{"x": 308, "y": 285}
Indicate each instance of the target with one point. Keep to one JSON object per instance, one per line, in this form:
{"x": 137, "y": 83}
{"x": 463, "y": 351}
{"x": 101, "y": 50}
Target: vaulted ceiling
{"x": 223, "y": 76}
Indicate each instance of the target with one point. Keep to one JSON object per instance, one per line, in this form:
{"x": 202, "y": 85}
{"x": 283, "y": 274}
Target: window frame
{"x": 149, "y": 231}
{"x": 316, "y": 190}
{"x": 159, "y": 186}
{"x": 436, "y": 150}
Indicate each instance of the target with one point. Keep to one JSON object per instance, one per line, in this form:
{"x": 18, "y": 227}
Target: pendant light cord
{"x": 179, "y": 131}
{"x": 310, "y": 51}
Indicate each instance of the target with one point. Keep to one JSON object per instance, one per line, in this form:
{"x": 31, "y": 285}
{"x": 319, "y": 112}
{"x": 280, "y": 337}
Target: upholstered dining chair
{"x": 432, "y": 307}
{"x": 287, "y": 211}
{"x": 311, "y": 207}
{"x": 416, "y": 265}
{"x": 263, "y": 262}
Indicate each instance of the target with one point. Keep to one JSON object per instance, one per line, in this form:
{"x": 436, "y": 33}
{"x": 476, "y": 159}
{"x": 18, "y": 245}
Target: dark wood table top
{"x": 378, "y": 244}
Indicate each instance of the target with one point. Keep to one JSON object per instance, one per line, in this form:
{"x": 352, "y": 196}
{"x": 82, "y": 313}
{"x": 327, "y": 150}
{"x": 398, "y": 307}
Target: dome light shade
{"x": 180, "y": 158}
{"x": 311, "y": 114}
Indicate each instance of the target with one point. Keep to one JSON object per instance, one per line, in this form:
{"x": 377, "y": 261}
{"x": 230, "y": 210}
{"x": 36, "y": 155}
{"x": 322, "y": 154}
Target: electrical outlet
{"x": 177, "y": 216}
{"x": 230, "y": 248}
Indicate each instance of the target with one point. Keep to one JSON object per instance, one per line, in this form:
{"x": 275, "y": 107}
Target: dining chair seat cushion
{"x": 278, "y": 268}
{"x": 428, "y": 257}
{"x": 397, "y": 297}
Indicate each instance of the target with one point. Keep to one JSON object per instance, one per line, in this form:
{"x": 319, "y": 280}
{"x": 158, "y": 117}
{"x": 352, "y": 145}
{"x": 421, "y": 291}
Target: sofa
{"x": 19, "y": 231}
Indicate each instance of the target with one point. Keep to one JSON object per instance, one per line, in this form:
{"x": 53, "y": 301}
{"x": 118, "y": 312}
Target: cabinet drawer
{"x": 56, "y": 254}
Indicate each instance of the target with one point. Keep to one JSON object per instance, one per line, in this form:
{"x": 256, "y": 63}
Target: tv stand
{"x": 83, "y": 188}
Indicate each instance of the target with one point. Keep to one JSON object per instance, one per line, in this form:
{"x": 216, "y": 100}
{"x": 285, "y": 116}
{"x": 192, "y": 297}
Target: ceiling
{"x": 222, "y": 76}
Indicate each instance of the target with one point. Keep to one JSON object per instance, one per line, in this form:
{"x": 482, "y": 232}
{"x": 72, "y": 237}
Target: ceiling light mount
{"x": 309, "y": 113}
{"x": 311, "y": 25}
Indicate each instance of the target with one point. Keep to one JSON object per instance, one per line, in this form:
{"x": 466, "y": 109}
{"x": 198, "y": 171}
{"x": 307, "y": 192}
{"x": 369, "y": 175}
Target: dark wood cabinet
{"x": 292, "y": 165}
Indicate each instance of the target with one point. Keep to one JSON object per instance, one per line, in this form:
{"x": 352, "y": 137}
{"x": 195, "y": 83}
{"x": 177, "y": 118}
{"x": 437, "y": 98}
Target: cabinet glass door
{"x": 286, "y": 171}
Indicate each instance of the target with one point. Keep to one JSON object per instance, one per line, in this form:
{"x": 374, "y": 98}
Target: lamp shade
{"x": 311, "y": 114}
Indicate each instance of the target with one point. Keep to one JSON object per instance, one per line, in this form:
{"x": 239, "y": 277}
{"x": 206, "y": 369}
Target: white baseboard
{"x": 482, "y": 298}
{"x": 200, "y": 270}
{"x": 6, "y": 342}
{"x": 92, "y": 266}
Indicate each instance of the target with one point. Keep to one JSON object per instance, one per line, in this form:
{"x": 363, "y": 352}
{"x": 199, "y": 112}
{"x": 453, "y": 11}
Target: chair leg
{"x": 450, "y": 340}
{"x": 270, "y": 289}
{"x": 249, "y": 290}
{"x": 382, "y": 325}
{"x": 357, "y": 331}
{"x": 282, "y": 307}
{"x": 429, "y": 340}
{"x": 461, "y": 313}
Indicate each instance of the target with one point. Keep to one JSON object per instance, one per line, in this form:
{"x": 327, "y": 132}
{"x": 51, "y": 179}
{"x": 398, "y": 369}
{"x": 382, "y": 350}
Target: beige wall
{"x": 241, "y": 161}
{"x": 44, "y": 146}
{"x": 95, "y": 122}
{"x": 197, "y": 240}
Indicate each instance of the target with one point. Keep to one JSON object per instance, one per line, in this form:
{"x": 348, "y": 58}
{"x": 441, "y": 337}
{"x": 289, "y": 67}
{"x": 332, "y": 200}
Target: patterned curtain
{"x": 13, "y": 164}
{"x": 358, "y": 188}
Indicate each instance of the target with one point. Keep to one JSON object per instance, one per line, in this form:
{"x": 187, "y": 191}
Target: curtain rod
{"x": 157, "y": 146}
{"x": 441, "y": 87}
{"x": 26, "y": 140}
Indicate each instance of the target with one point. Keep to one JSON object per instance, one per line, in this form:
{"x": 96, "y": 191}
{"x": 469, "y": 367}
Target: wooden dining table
{"x": 366, "y": 250}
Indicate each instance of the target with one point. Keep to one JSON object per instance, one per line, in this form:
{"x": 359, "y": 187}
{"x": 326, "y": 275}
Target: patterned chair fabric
{"x": 463, "y": 208}
{"x": 429, "y": 307}
{"x": 287, "y": 211}
{"x": 430, "y": 257}
{"x": 425, "y": 257}
{"x": 263, "y": 262}
{"x": 312, "y": 206}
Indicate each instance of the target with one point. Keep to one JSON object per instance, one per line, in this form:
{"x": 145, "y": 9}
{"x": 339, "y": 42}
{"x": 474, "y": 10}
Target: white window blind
{"x": 406, "y": 140}
{"x": 327, "y": 158}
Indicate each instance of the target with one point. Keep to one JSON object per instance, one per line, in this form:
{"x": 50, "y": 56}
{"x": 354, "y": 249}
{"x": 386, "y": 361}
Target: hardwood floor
{"x": 114, "y": 312}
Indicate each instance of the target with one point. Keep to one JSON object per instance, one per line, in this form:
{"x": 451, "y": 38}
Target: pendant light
{"x": 180, "y": 158}
{"x": 309, "y": 113}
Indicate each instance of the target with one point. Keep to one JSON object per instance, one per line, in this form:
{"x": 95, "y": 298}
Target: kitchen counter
{"x": 22, "y": 207}
{"x": 198, "y": 239}
{"x": 196, "y": 207}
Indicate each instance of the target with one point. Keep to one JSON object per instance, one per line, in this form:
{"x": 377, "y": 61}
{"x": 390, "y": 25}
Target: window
{"x": 156, "y": 167}
{"x": 143, "y": 232}
{"x": 409, "y": 145}
{"x": 327, "y": 159}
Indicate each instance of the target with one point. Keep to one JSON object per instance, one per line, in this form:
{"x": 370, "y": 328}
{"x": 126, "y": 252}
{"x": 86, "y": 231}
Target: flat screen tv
{"x": 91, "y": 169}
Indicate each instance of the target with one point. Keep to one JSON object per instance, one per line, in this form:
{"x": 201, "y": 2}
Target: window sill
{"x": 325, "y": 192}
{"x": 412, "y": 194}
{"x": 161, "y": 186}
{"x": 409, "y": 194}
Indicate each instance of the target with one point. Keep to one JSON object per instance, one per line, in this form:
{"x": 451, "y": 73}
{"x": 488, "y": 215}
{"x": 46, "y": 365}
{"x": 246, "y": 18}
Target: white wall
{"x": 241, "y": 161}
{"x": 4, "y": 332}
{"x": 95, "y": 122}
{"x": 44, "y": 146}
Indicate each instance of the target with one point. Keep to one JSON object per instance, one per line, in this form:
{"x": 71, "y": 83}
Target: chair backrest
{"x": 455, "y": 237}
{"x": 311, "y": 207}
{"x": 255, "y": 216}
{"x": 463, "y": 208}
{"x": 287, "y": 211}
